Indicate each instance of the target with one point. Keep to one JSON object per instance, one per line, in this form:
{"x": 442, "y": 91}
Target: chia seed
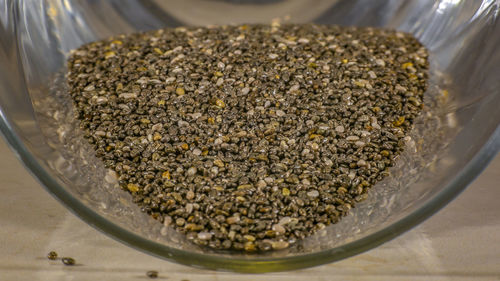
{"x": 249, "y": 137}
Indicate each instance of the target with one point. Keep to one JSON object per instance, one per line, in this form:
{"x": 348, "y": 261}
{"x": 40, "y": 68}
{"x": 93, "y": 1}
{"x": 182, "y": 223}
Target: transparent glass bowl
{"x": 452, "y": 141}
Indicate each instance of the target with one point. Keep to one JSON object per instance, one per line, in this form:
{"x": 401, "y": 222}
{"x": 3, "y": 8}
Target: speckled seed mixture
{"x": 249, "y": 137}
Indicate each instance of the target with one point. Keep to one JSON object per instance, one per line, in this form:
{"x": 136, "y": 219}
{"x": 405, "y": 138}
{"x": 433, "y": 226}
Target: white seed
{"x": 182, "y": 123}
{"x": 273, "y": 56}
{"x": 261, "y": 184}
{"x": 352, "y": 138}
{"x": 285, "y": 220}
{"x": 101, "y": 100}
{"x": 89, "y": 88}
{"x": 294, "y": 88}
{"x": 128, "y": 95}
{"x": 303, "y": 40}
{"x": 196, "y": 115}
{"x": 204, "y": 235}
{"x": 191, "y": 171}
{"x": 313, "y": 193}
{"x": 156, "y": 127}
{"x": 361, "y": 163}
{"x": 100, "y": 133}
{"x": 245, "y": 90}
{"x": 269, "y": 180}
{"x": 380, "y": 62}
{"x": 189, "y": 195}
{"x": 167, "y": 220}
{"x": 279, "y": 229}
{"x": 339, "y": 129}
{"x": 214, "y": 170}
{"x": 359, "y": 143}
{"x": 233, "y": 220}
{"x": 189, "y": 208}
{"x": 196, "y": 152}
{"x": 278, "y": 245}
{"x": 280, "y": 113}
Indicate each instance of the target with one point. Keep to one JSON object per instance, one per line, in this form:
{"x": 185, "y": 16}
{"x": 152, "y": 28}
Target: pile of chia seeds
{"x": 249, "y": 137}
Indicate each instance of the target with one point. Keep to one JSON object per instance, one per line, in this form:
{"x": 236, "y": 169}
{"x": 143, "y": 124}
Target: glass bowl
{"x": 450, "y": 144}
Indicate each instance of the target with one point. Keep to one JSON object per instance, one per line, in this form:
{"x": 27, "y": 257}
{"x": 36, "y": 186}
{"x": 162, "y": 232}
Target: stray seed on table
{"x": 52, "y": 255}
{"x": 152, "y": 274}
{"x": 68, "y": 261}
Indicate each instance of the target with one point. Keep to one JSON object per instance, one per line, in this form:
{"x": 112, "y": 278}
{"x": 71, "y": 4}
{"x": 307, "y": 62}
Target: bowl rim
{"x": 252, "y": 265}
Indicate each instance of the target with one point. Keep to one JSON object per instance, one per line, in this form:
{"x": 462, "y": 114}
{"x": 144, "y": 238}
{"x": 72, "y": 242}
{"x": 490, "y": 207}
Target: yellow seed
{"x": 117, "y": 42}
{"x": 244, "y": 27}
{"x": 119, "y": 87}
{"x": 360, "y": 84}
{"x": 270, "y": 233}
{"x": 132, "y": 187}
{"x": 180, "y": 91}
{"x": 109, "y": 54}
{"x": 285, "y": 191}
{"x": 398, "y": 122}
{"x": 108, "y": 148}
{"x": 157, "y": 137}
{"x": 384, "y": 153}
{"x": 345, "y": 61}
{"x": 262, "y": 157}
{"x": 142, "y": 68}
{"x": 313, "y": 65}
{"x": 220, "y": 103}
{"x": 162, "y": 102}
{"x": 342, "y": 189}
{"x": 185, "y": 146}
{"x": 313, "y": 136}
{"x": 244, "y": 186}
{"x": 412, "y": 76}
{"x": 406, "y": 65}
{"x": 277, "y": 76}
{"x": 376, "y": 109}
{"x": 145, "y": 121}
{"x": 250, "y": 238}
{"x": 250, "y": 247}
{"x": 291, "y": 38}
{"x": 444, "y": 93}
{"x": 218, "y": 74}
{"x": 218, "y": 163}
{"x": 158, "y": 51}
{"x": 218, "y": 188}
{"x": 240, "y": 198}
{"x": 166, "y": 175}
{"x": 211, "y": 120}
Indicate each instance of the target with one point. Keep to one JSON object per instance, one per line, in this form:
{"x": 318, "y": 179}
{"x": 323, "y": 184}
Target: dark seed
{"x": 152, "y": 274}
{"x": 68, "y": 261}
{"x": 52, "y": 255}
